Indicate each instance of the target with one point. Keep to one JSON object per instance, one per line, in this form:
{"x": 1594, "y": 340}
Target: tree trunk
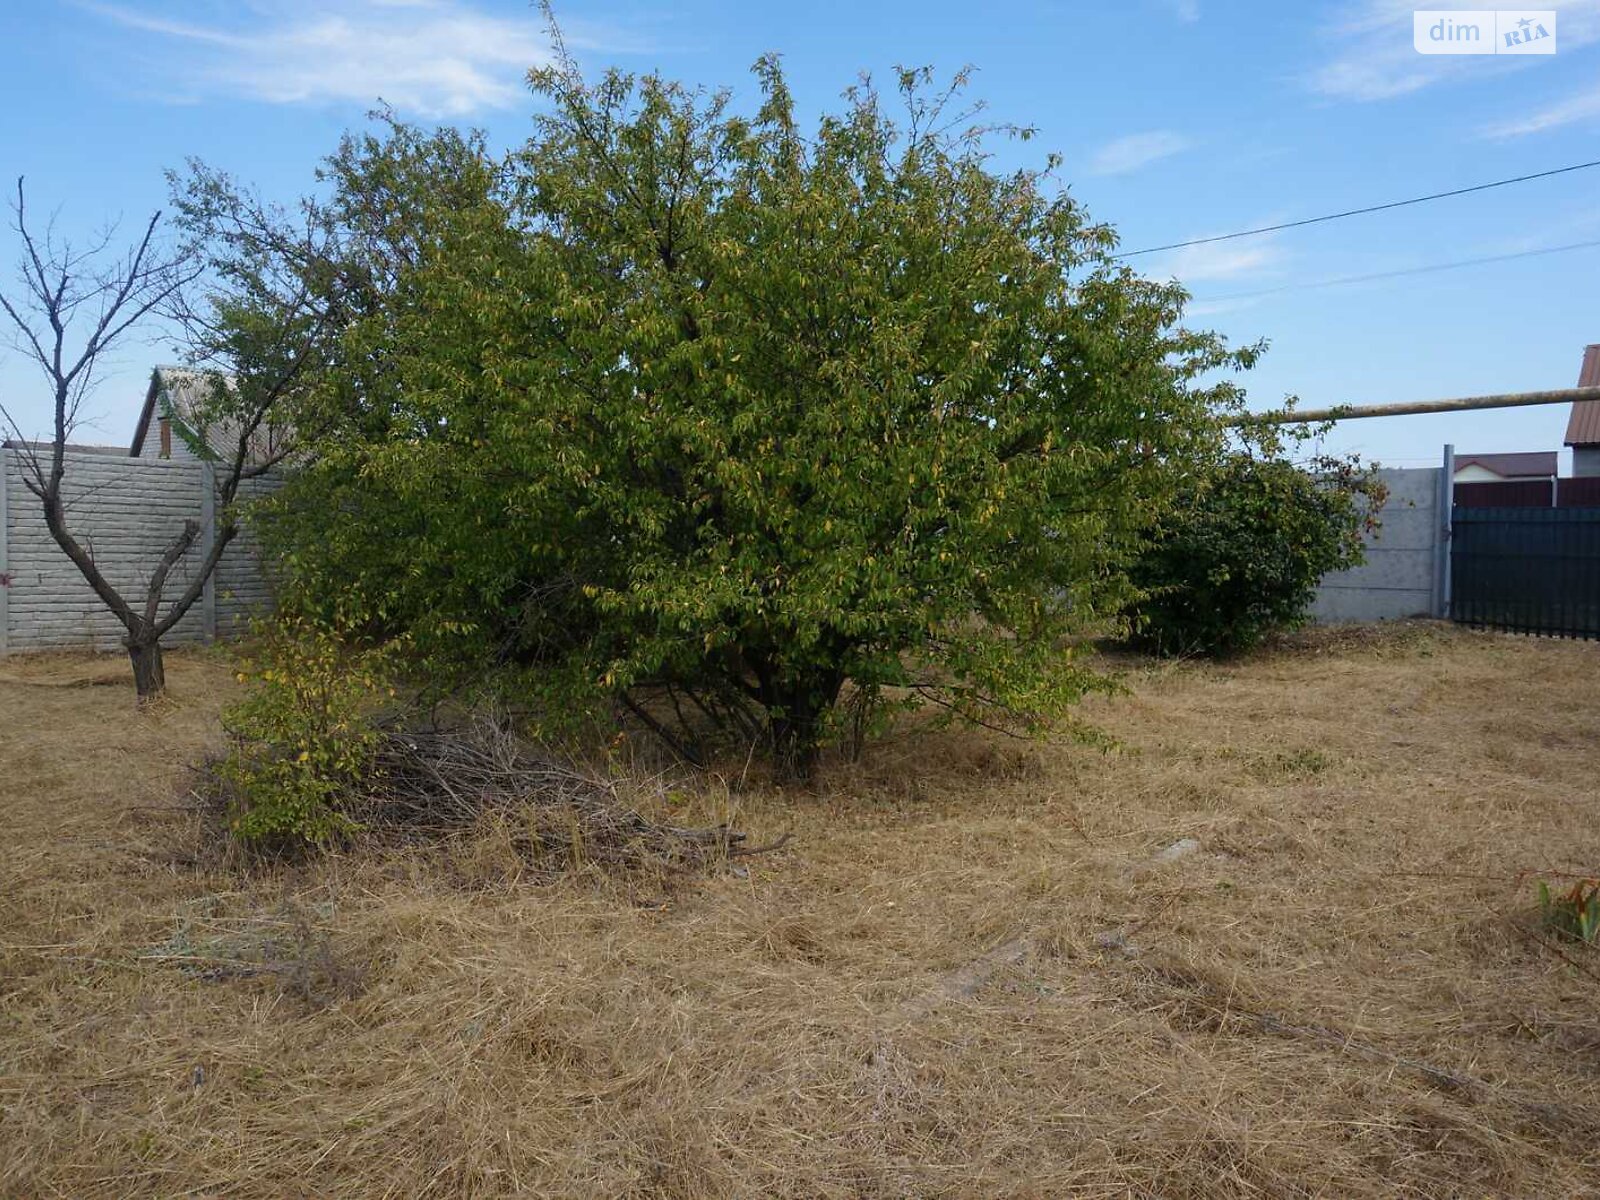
{"x": 149, "y": 676}
{"x": 796, "y": 725}
{"x": 794, "y": 750}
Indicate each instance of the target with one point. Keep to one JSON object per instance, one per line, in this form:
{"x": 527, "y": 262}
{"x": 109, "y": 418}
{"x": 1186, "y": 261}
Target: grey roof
{"x": 182, "y": 393}
{"x": 1532, "y": 462}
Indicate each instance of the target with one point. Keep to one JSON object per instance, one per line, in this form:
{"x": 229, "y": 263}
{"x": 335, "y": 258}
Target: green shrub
{"x": 1573, "y": 913}
{"x": 304, "y": 737}
{"x": 714, "y": 421}
{"x": 1244, "y": 550}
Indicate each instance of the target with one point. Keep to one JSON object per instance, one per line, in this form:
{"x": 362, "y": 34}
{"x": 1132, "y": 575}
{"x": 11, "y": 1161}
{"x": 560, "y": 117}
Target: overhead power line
{"x": 1357, "y": 212}
{"x": 1401, "y": 272}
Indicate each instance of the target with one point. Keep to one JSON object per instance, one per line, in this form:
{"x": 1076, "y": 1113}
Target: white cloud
{"x": 1244, "y": 258}
{"x": 1373, "y": 56}
{"x": 1187, "y": 11}
{"x": 435, "y": 58}
{"x": 1583, "y": 106}
{"x": 1135, "y": 151}
{"x": 1218, "y": 308}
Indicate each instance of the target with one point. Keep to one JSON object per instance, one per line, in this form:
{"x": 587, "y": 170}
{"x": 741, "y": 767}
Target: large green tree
{"x": 713, "y": 420}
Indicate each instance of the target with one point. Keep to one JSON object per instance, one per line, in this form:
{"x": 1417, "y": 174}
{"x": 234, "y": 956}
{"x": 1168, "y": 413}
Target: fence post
{"x": 5, "y": 588}
{"x": 208, "y": 539}
{"x": 1446, "y": 498}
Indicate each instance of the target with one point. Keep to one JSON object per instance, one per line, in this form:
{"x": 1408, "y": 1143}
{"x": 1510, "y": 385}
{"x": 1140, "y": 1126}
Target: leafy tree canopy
{"x": 712, "y": 419}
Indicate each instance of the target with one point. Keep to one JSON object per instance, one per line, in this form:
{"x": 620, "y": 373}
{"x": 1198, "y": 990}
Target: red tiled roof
{"x": 1583, "y": 427}
{"x": 1534, "y": 462}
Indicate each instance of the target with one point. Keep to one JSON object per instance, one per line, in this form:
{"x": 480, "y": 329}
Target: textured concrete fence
{"x": 1404, "y": 575}
{"x": 126, "y": 512}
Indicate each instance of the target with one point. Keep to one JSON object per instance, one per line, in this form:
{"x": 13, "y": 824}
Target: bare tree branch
{"x": 158, "y": 581}
{"x": 56, "y": 285}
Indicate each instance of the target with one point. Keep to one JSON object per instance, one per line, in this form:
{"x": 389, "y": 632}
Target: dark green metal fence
{"x": 1527, "y": 570}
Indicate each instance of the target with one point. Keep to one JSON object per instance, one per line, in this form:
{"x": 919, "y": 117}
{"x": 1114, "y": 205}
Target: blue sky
{"x": 1176, "y": 118}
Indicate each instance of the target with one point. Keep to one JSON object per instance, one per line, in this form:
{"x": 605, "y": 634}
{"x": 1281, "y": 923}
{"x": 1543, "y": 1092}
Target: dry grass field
{"x": 970, "y": 973}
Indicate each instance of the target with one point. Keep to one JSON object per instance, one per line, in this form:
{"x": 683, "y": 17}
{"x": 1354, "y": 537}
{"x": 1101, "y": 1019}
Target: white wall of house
{"x": 151, "y": 447}
{"x": 1473, "y": 473}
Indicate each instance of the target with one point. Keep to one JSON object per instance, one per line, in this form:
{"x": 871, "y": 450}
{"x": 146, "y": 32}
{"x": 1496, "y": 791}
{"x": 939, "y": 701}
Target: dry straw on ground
{"x": 965, "y": 976}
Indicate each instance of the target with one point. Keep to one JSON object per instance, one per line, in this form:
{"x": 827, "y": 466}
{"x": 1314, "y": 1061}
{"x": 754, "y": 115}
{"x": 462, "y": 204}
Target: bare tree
{"x": 70, "y": 308}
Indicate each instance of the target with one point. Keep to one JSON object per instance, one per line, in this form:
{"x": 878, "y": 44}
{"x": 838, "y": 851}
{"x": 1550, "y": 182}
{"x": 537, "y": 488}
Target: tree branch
{"x": 158, "y": 580}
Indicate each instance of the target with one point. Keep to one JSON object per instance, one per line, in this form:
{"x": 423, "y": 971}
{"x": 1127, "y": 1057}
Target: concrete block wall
{"x": 1403, "y": 575}
{"x": 240, "y": 586}
{"x": 126, "y": 512}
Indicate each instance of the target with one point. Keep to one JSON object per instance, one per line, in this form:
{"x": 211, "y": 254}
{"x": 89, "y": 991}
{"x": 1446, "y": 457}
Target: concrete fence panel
{"x": 126, "y": 512}
{"x": 1404, "y": 568}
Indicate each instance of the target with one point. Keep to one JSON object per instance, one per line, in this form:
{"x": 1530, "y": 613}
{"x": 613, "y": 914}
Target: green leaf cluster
{"x": 303, "y": 737}
{"x": 1573, "y": 912}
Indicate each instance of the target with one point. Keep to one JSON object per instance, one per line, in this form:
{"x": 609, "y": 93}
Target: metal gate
{"x": 1527, "y": 570}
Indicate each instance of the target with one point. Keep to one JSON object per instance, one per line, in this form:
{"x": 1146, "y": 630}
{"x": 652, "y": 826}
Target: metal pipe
{"x": 1357, "y": 412}
{"x": 1447, "y": 528}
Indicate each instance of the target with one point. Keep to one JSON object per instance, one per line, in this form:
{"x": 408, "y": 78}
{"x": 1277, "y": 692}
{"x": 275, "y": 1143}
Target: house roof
{"x": 184, "y": 394}
{"x": 1583, "y": 427}
{"x": 183, "y": 389}
{"x": 1536, "y": 462}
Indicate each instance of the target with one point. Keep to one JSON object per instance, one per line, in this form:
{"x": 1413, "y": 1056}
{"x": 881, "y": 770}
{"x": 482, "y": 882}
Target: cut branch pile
{"x": 436, "y": 781}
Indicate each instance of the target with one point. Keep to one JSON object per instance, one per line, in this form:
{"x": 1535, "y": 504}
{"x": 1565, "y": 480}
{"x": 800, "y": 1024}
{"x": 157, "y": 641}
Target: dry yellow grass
{"x": 418, "y": 1023}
